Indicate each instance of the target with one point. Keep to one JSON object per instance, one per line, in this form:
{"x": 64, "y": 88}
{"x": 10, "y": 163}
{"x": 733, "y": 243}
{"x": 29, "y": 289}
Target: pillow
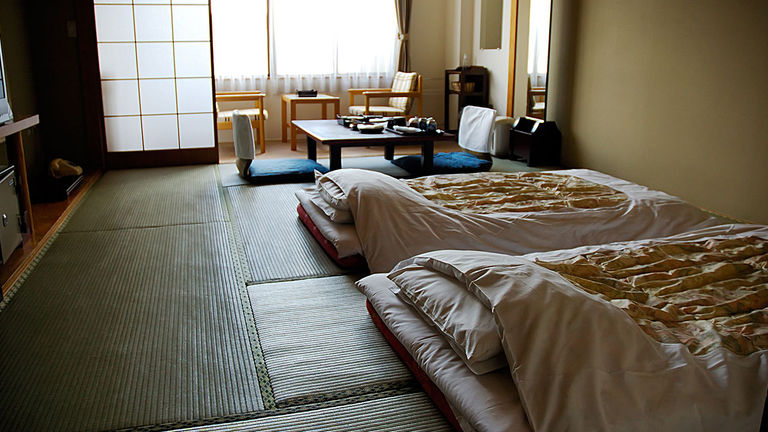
{"x": 445, "y": 163}
{"x": 334, "y": 214}
{"x": 330, "y": 191}
{"x": 470, "y": 329}
{"x": 282, "y": 171}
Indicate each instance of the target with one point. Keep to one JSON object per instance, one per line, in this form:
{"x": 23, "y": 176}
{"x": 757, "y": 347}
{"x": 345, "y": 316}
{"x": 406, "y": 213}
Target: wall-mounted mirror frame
{"x": 491, "y": 18}
{"x": 528, "y": 79}
{"x": 539, "y": 31}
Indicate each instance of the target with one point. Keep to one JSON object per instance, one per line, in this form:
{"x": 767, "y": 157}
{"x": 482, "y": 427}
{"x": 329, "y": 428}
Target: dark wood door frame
{"x": 90, "y": 77}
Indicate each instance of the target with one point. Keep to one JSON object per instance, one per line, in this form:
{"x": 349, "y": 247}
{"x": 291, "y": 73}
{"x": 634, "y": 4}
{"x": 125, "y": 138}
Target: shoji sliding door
{"x": 156, "y": 81}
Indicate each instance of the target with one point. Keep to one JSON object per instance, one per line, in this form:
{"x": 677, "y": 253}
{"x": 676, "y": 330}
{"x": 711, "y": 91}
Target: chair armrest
{"x": 249, "y": 92}
{"x": 359, "y": 91}
{"x": 239, "y": 96}
{"x": 390, "y": 93}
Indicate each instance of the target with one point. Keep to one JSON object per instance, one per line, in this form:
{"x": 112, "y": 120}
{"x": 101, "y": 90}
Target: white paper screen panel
{"x": 193, "y": 130}
{"x": 193, "y": 59}
{"x": 117, "y": 60}
{"x": 160, "y": 132}
{"x": 155, "y": 60}
{"x": 123, "y": 133}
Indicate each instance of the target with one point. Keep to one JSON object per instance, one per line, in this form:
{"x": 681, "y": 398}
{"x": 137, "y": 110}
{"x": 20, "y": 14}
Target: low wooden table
{"x": 293, "y": 100}
{"x": 335, "y": 136}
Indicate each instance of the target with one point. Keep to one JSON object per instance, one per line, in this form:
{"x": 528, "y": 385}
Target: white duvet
{"x": 394, "y": 222}
{"x": 577, "y": 362}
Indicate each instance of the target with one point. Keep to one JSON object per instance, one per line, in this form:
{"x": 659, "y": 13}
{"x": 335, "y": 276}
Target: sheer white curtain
{"x": 538, "y": 44}
{"x": 326, "y": 45}
{"x": 239, "y": 43}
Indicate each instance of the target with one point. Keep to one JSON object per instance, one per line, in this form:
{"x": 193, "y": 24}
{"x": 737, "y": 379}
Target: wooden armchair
{"x": 257, "y": 114}
{"x": 405, "y": 87}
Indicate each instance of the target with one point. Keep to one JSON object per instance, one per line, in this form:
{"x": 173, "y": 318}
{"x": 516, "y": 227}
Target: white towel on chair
{"x": 475, "y": 128}
{"x": 243, "y": 136}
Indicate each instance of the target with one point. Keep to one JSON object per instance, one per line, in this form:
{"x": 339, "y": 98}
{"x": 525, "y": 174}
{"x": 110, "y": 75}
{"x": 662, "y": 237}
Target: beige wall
{"x": 495, "y": 60}
{"x": 672, "y": 95}
{"x": 427, "y": 35}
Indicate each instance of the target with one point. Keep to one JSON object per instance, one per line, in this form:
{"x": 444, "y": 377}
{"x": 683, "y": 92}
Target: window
{"x": 307, "y": 37}
{"x": 538, "y": 42}
{"x": 239, "y": 37}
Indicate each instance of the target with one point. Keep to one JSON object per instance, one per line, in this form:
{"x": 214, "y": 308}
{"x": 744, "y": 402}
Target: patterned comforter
{"x": 484, "y": 193}
{"x": 705, "y": 294}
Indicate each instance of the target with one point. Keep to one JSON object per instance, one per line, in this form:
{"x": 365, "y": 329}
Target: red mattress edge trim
{"x": 429, "y": 387}
{"x": 353, "y": 261}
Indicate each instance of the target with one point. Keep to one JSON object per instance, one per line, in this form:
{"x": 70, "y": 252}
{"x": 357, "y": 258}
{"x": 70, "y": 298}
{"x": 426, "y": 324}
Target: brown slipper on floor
{"x": 62, "y": 168}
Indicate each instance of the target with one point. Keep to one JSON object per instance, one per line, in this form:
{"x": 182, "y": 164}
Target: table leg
{"x": 335, "y": 157}
{"x": 283, "y": 113}
{"x": 336, "y": 109}
{"x": 389, "y": 151}
{"x": 325, "y": 110}
{"x": 311, "y": 148}
{"x": 293, "y": 128}
{"x": 427, "y": 154}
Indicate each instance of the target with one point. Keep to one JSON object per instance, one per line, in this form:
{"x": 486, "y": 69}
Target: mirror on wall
{"x": 490, "y": 24}
{"x": 538, "y": 58}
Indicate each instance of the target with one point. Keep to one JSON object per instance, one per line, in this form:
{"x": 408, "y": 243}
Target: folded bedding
{"x": 660, "y": 334}
{"x": 514, "y": 213}
{"x": 336, "y": 215}
{"x": 473, "y": 338}
{"x": 343, "y": 237}
{"x": 486, "y": 403}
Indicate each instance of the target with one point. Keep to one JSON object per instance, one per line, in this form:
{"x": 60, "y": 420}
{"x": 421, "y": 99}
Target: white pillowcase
{"x": 467, "y": 324}
{"x": 334, "y": 214}
{"x": 330, "y": 191}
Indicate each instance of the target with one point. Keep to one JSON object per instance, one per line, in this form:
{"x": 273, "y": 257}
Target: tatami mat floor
{"x": 169, "y": 301}
{"x": 179, "y": 297}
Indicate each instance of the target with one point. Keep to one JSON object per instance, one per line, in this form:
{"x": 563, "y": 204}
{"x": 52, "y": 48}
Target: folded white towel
{"x": 475, "y": 128}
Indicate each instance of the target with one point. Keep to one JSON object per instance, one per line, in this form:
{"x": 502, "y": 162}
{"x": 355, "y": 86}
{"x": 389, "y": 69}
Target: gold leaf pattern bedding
{"x": 484, "y": 193}
{"x": 704, "y": 294}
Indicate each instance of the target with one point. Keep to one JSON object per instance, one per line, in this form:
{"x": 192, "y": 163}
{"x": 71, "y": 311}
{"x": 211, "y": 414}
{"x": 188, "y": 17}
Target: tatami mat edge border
{"x": 275, "y": 412}
{"x": 243, "y": 275}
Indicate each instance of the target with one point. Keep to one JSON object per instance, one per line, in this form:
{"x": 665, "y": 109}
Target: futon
{"x": 659, "y": 334}
{"x": 498, "y": 212}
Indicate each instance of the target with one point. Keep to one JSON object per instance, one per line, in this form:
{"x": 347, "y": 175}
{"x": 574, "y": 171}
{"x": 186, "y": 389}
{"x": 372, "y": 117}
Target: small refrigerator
{"x": 10, "y": 228}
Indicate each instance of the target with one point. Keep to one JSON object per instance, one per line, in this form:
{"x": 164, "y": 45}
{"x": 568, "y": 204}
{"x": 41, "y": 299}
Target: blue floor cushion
{"x": 445, "y": 163}
{"x": 283, "y": 171}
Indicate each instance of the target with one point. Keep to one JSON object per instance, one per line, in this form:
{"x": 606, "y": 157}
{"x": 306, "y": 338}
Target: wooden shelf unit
{"x": 475, "y": 77}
